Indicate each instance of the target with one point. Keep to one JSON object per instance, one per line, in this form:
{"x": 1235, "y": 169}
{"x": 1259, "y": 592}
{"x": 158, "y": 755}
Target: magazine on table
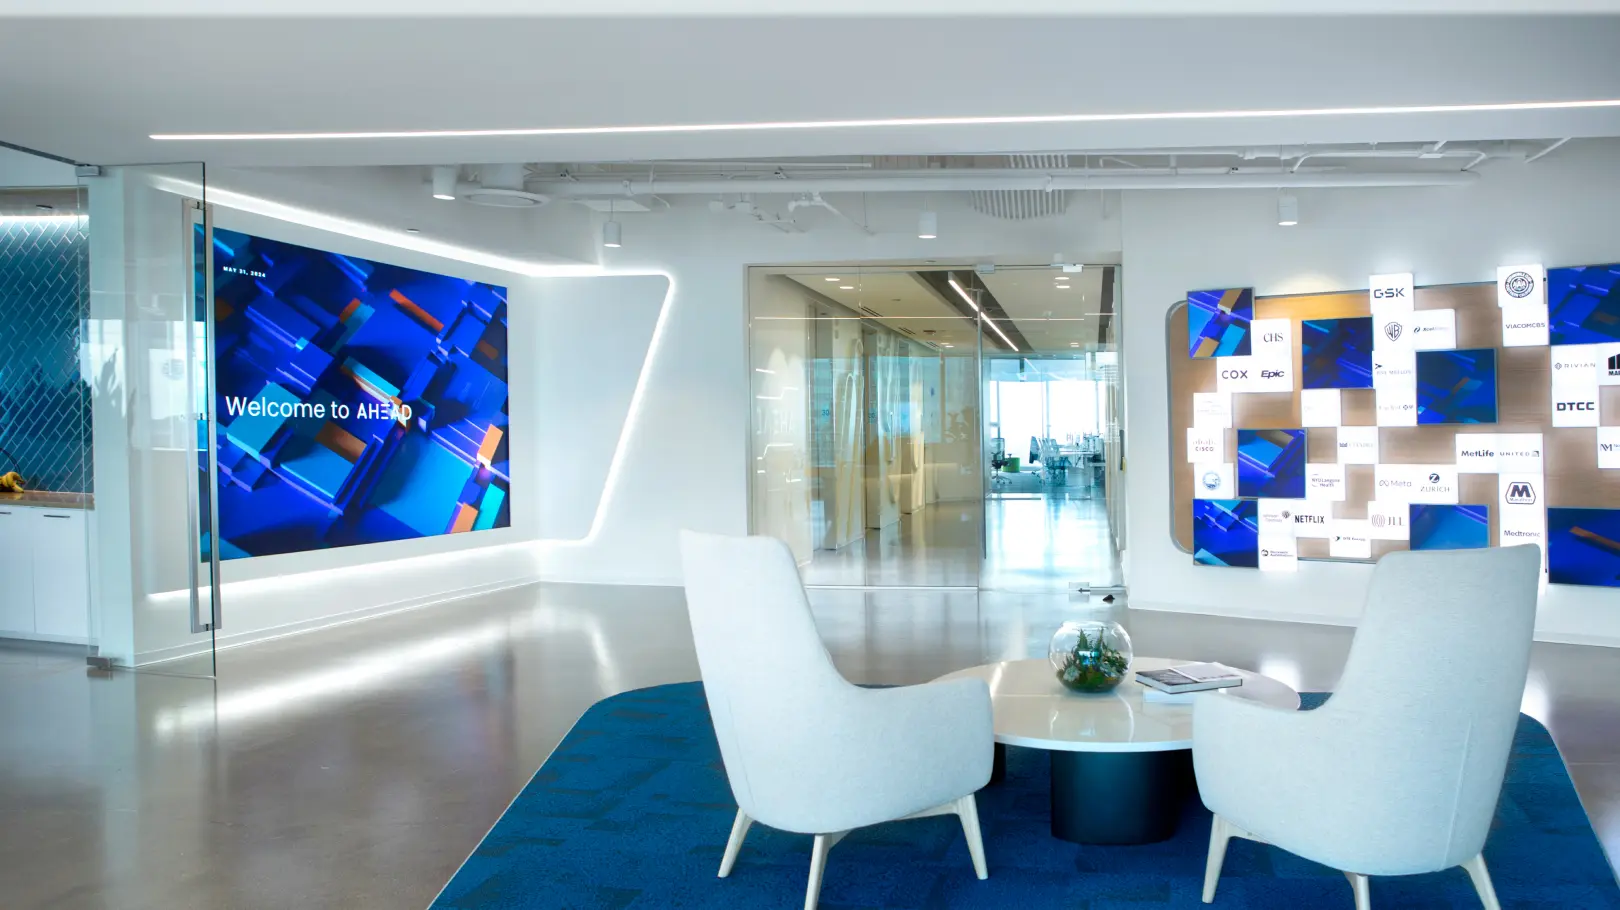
{"x": 1188, "y": 678}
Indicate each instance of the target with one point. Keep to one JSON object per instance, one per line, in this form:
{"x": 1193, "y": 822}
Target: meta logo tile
{"x": 1521, "y": 493}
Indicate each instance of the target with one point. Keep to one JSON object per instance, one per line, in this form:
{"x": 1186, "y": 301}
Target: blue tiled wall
{"x": 44, "y": 404}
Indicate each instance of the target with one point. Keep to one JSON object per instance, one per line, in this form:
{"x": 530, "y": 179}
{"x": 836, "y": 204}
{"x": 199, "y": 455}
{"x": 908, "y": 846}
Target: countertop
{"x": 49, "y": 499}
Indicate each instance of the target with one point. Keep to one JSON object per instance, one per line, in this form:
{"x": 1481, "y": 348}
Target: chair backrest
{"x": 766, "y": 674}
{"x": 1433, "y": 684}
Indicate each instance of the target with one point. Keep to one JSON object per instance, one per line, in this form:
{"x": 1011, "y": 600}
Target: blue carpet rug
{"x": 632, "y": 811}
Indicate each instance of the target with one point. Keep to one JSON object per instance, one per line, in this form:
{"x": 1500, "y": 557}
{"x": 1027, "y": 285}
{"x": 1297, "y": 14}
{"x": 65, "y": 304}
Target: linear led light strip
{"x": 988, "y": 321}
{"x": 899, "y": 122}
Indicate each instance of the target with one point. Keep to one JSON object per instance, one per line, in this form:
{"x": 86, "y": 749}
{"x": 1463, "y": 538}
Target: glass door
{"x": 1049, "y": 381}
{"x": 145, "y": 356}
{"x": 865, "y": 445}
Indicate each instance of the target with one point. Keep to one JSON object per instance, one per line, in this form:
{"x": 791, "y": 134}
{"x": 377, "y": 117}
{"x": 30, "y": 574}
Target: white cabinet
{"x": 16, "y": 572}
{"x": 61, "y": 576}
{"x": 44, "y": 574}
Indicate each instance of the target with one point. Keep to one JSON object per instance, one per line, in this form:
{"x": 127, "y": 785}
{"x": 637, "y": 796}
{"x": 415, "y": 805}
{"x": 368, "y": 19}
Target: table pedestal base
{"x": 1119, "y": 797}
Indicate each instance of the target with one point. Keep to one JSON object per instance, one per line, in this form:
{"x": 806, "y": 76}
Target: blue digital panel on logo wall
{"x": 1449, "y": 527}
{"x": 1583, "y": 547}
{"x": 1218, "y": 322}
{"x": 1271, "y": 464}
{"x": 1226, "y": 532}
{"x": 1456, "y": 386}
{"x": 358, "y": 402}
{"x": 1337, "y": 353}
{"x": 1583, "y": 304}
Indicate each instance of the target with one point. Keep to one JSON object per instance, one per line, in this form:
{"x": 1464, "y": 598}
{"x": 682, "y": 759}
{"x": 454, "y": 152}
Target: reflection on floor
{"x": 358, "y": 766}
{"x": 1035, "y": 542}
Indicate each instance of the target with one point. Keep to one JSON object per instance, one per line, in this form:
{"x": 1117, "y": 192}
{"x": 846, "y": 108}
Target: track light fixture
{"x": 1288, "y": 210}
{"x": 927, "y": 226}
{"x": 444, "y": 181}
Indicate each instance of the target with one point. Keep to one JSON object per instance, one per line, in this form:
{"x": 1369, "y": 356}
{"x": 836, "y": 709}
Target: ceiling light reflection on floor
{"x": 383, "y": 667}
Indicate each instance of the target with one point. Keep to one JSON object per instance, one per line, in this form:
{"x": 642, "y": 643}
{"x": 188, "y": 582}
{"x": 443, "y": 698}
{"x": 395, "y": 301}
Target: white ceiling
{"x": 94, "y": 89}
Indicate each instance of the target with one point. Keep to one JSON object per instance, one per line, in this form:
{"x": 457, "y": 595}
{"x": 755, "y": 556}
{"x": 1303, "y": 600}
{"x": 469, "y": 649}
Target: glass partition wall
{"x": 901, "y": 417}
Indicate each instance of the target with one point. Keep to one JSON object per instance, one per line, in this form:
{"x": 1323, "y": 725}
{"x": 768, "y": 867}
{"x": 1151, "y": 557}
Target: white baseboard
{"x": 253, "y": 636}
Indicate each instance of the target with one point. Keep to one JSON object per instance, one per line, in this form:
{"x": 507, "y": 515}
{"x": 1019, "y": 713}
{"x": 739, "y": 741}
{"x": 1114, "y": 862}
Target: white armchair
{"x": 1400, "y": 771}
{"x": 806, "y": 751}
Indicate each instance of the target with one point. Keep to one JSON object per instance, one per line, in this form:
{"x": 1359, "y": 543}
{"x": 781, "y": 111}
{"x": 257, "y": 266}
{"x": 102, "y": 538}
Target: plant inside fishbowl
{"x": 1091, "y": 656}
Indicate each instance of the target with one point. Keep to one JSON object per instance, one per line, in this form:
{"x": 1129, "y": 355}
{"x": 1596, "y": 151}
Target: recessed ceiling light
{"x": 834, "y": 278}
{"x": 413, "y": 230}
{"x": 769, "y": 126}
{"x": 846, "y": 287}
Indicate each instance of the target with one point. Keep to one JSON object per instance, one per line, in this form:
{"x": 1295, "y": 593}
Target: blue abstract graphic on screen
{"x": 1583, "y": 304}
{"x": 1226, "y": 532}
{"x": 1583, "y": 547}
{"x": 1456, "y": 386}
{"x": 1337, "y": 353}
{"x": 1449, "y": 527}
{"x": 1218, "y": 322}
{"x": 358, "y": 402}
{"x": 1271, "y": 464}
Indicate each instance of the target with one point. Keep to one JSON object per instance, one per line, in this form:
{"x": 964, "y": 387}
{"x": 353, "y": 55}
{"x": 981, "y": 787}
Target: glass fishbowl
{"x": 1091, "y": 655}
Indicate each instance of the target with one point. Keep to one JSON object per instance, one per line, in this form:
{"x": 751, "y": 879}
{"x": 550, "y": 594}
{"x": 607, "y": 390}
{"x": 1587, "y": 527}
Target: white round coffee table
{"x": 1121, "y": 767}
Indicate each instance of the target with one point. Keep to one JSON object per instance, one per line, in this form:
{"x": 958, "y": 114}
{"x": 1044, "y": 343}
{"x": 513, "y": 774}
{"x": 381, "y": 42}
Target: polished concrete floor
{"x": 357, "y": 767}
{"x": 1035, "y": 541}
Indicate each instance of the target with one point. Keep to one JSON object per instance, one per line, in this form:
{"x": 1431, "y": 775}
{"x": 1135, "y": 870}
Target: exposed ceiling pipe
{"x": 944, "y": 181}
{"x": 1433, "y": 152}
{"x": 1547, "y": 151}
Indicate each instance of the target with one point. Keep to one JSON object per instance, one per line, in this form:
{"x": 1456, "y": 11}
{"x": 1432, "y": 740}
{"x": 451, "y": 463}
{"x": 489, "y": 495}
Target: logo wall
{"x": 1206, "y": 446}
{"x": 1574, "y": 385}
{"x": 1608, "y": 448}
{"x": 1521, "y": 284}
{"x": 1522, "y": 511}
{"x": 1358, "y": 445}
{"x": 1388, "y": 520}
{"x": 1311, "y": 517}
{"x": 1351, "y": 538}
{"x": 1212, "y": 410}
{"x": 1390, "y": 297}
{"x": 1214, "y": 481}
{"x": 1476, "y": 453}
{"x": 1324, "y": 482}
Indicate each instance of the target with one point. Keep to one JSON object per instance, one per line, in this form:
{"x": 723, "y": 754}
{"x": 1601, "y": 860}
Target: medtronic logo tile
{"x": 1212, "y": 480}
{"x": 1519, "y": 285}
{"x": 1521, "y": 494}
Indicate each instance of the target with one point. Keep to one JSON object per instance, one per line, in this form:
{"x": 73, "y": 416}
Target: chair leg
{"x": 1482, "y": 882}
{"x": 1358, "y": 884}
{"x": 1220, "y": 834}
{"x": 739, "y": 830}
{"x": 967, "y": 808}
{"x": 818, "y": 865}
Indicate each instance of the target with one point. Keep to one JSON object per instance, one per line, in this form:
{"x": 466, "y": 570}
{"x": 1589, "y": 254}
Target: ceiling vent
{"x": 501, "y": 186}
{"x": 1022, "y": 205}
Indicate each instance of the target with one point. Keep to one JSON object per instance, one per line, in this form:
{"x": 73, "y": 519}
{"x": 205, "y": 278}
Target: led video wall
{"x": 358, "y": 402}
{"x": 1343, "y": 426}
